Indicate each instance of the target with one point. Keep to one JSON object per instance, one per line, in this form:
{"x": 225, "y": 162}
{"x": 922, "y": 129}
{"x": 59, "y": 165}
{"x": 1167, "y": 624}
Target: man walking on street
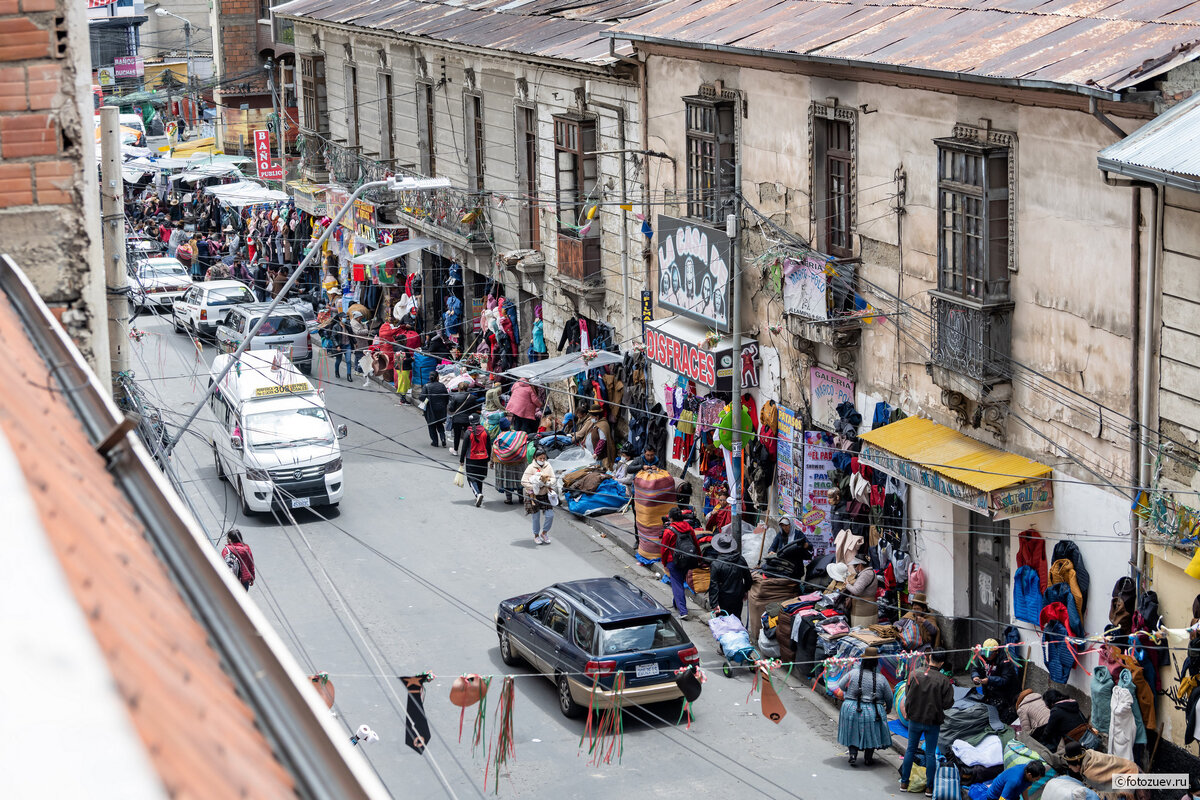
{"x": 238, "y": 558}
{"x": 927, "y": 696}
{"x": 437, "y": 399}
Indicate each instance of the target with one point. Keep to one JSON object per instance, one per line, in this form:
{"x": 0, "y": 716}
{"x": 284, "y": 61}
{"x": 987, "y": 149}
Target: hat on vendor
{"x": 597, "y": 410}
{"x": 1073, "y": 752}
{"x": 785, "y": 521}
{"x": 837, "y": 571}
{"x": 724, "y": 543}
{"x": 918, "y": 599}
{"x": 989, "y": 646}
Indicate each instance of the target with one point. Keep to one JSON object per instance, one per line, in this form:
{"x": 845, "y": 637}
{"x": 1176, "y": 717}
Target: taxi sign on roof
{"x": 287, "y": 388}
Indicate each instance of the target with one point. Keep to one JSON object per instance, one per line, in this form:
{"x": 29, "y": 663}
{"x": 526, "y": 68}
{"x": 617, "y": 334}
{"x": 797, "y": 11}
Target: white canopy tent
{"x": 392, "y": 251}
{"x": 562, "y": 367}
{"x": 246, "y": 193}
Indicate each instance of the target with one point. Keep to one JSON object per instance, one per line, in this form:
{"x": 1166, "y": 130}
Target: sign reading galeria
{"x": 694, "y": 270}
{"x": 829, "y": 390}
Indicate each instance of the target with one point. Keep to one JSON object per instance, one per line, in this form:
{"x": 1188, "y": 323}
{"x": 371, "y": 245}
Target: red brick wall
{"x": 32, "y": 169}
{"x": 239, "y": 46}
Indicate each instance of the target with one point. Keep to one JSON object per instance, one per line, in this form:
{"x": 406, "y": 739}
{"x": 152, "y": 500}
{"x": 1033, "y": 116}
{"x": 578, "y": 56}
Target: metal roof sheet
{"x": 954, "y": 455}
{"x": 1108, "y": 45}
{"x": 1168, "y": 143}
{"x": 574, "y": 31}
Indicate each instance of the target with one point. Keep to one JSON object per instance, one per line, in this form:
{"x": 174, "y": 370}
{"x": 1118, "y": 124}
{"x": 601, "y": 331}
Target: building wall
{"x": 49, "y": 191}
{"x": 1071, "y": 291}
{"x": 1179, "y": 344}
{"x": 164, "y": 36}
{"x": 497, "y": 76}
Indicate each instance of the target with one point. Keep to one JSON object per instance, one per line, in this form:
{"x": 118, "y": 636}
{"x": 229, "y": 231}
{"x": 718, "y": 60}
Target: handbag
{"x": 552, "y": 497}
{"x": 947, "y": 785}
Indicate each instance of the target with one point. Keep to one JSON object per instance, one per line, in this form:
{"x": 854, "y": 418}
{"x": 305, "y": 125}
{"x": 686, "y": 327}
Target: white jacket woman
{"x": 540, "y": 495}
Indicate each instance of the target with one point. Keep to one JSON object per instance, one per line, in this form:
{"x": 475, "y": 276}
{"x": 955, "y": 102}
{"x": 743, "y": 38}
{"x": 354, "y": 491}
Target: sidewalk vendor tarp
{"x": 246, "y": 193}
{"x": 562, "y": 367}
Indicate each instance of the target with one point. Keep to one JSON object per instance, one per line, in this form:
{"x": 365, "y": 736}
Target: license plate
{"x": 647, "y": 670}
{"x": 305, "y": 502}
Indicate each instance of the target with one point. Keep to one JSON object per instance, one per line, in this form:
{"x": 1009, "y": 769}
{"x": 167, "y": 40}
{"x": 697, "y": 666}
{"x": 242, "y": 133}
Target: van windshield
{"x": 288, "y": 427}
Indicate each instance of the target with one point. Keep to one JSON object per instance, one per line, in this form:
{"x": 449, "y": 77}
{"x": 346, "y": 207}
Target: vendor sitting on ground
{"x": 995, "y": 673}
{"x": 1012, "y": 782}
{"x": 721, "y": 514}
{"x": 630, "y": 463}
{"x": 785, "y": 535}
{"x": 931, "y": 634}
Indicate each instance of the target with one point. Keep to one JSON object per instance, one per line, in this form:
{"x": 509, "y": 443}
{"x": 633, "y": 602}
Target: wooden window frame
{"x": 974, "y": 221}
{"x": 426, "y": 127}
{"x": 525, "y": 127}
{"x": 387, "y": 117}
{"x": 314, "y": 93}
{"x": 575, "y": 143}
{"x": 473, "y": 113}
{"x": 710, "y": 128}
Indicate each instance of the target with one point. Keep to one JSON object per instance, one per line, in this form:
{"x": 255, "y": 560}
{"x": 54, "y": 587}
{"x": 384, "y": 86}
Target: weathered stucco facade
{"x": 516, "y": 92}
{"x": 1069, "y": 285}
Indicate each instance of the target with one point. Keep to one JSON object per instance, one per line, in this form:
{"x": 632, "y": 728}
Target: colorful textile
{"x": 653, "y": 496}
{"x": 509, "y": 447}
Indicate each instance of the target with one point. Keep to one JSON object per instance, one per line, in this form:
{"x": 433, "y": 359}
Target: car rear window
{"x": 230, "y": 296}
{"x": 635, "y": 635}
{"x": 282, "y": 325}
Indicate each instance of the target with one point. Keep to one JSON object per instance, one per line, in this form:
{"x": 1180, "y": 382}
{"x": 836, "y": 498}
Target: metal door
{"x": 989, "y": 588}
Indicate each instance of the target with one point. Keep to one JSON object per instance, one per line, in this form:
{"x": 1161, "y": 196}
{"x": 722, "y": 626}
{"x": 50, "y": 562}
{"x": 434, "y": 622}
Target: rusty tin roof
{"x": 545, "y": 28}
{"x": 1097, "y": 47}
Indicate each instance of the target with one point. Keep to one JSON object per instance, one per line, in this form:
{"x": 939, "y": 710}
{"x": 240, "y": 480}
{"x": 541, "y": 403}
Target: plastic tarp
{"x": 203, "y": 171}
{"x": 609, "y": 496}
{"x": 392, "y": 251}
{"x": 562, "y": 367}
{"x": 246, "y": 193}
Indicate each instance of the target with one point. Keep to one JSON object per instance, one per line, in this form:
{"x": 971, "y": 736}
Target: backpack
{"x": 477, "y": 447}
{"x": 947, "y": 784}
{"x": 686, "y": 555}
{"x": 909, "y": 633}
{"x": 234, "y": 563}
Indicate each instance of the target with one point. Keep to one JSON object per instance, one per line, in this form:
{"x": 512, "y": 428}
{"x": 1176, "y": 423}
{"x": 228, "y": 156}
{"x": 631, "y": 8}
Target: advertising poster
{"x": 804, "y": 283}
{"x": 693, "y": 270}
{"x": 829, "y": 390}
{"x": 785, "y": 479}
{"x": 814, "y": 497}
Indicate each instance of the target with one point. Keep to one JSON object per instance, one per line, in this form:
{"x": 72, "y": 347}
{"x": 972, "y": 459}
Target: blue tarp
{"x": 609, "y": 496}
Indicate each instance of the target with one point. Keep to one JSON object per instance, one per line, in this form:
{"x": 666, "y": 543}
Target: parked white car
{"x": 205, "y": 306}
{"x": 285, "y": 330}
{"x": 158, "y": 281}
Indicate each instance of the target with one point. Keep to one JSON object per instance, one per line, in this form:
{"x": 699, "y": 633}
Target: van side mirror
{"x": 236, "y": 442}
{"x": 342, "y": 430}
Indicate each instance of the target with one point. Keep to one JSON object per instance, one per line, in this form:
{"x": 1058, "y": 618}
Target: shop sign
{"x": 804, "y": 285}
{"x": 813, "y": 503}
{"x": 262, "y": 157}
{"x": 705, "y": 367}
{"x": 129, "y": 67}
{"x": 106, "y": 76}
{"x": 829, "y": 390}
{"x": 647, "y": 306}
{"x": 364, "y": 223}
{"x": 1026, "y": 498}
{"x": 784, "y": 476}
{"x": 694, "y": 270}
{"x": 916, "y": 475}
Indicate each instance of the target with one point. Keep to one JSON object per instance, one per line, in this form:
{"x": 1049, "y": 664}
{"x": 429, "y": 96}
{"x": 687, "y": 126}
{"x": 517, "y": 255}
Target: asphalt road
{"x": 404, "y": 577}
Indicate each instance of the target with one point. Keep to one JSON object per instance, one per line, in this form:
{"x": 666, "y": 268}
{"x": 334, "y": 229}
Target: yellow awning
{"x": 953, "y": 455}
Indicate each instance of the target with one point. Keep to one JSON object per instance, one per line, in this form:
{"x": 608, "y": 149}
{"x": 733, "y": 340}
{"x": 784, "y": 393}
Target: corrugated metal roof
{"x": 1100, "y": 44}
{"x": 954, "y": 455}
{"x": 1168, "y": 143}
{"x": 573, "y": 31}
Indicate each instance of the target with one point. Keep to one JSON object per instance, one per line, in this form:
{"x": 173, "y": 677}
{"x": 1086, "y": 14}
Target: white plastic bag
{"x": 460, "y": 477}
{"x": 754, "y": 544}
{"x": 552, "y": 498}
{"x": 767, "y": 648}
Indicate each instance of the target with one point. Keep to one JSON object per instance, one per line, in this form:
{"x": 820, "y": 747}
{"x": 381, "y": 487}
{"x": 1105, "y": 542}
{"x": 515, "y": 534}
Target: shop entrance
{"x": 989, "y": 578}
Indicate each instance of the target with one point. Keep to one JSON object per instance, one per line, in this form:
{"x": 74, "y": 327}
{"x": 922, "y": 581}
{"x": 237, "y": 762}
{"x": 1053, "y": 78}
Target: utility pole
{"x": 112, "y": 226}
{"x": 731, "y": 230}
{"x": 187, "y": 44}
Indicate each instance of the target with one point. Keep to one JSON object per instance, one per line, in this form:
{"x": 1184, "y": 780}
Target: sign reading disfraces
{"x": 694, "y": 270}
{"x": 262, "y": 157}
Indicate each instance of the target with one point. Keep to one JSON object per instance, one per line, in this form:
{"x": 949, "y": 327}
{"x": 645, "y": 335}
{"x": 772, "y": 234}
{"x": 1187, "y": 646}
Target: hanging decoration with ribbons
{"x": 503, "y": 748}
{"x": 605, "y": 727}
{"x": 466, "y": 691}
{"x": 772, "y": 707}
{"x": 689, "y": 680}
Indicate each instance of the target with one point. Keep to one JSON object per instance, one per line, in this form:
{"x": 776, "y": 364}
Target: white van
{"x": 272, "y": 435}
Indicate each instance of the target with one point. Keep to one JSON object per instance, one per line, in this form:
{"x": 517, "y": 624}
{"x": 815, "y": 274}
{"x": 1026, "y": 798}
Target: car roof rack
{"x": 578, "y": 597}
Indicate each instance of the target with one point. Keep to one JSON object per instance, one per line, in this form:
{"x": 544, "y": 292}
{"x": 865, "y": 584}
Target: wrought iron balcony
{"x": 974, "y": 341}
{"x": 312, "y": 154}
{"x": 455, "y": 211}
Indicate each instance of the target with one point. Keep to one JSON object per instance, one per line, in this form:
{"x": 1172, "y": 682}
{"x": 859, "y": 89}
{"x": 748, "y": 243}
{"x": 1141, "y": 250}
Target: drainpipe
{"x": 1094, "y": 110}
{"x": 1149, "y": 321}
{"x": 620, "y": 112}
{"x": 644, "y": 127}
{"x": 1135, "y": 308}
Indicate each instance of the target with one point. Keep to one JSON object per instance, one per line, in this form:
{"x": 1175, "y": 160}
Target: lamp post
{"x": 187, "y": 43}
{"x": 394, "y": 184}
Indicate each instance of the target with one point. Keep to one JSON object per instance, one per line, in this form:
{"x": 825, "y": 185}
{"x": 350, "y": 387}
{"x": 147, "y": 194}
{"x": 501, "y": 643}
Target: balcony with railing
{"x": 312, "y": 155}
{"x": 972, "y": 342}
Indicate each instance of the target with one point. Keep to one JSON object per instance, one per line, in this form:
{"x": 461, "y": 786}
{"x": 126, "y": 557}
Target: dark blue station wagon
{"x": 584, "y": 632}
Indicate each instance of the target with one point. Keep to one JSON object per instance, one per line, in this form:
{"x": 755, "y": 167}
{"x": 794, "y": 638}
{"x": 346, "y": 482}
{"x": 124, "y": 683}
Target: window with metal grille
{"x": 574, "y": 170}
{"x": 425, "y": 128}
{"x": 473, "y": 114}
{"x": 312, "y": 90}
{"x": 711, "y": 156}
{"x": 973, "y": 220}
{"x": 832, "y": 148}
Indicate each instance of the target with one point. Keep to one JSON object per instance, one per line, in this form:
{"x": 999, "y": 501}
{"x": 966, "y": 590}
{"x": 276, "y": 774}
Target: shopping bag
{"x": 916, "y": 780}
{"x": 552, "y": 497}
{"x": 403, "y": 381}
{"x": 947, "y": 785}
{"x": 460, "y": 477}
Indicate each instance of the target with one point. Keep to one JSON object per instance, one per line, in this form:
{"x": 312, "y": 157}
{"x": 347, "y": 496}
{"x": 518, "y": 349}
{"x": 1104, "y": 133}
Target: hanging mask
{"x": 467, "y": 690}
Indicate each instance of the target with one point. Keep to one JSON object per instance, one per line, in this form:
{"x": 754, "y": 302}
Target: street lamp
{"x": 187, "y": 39}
